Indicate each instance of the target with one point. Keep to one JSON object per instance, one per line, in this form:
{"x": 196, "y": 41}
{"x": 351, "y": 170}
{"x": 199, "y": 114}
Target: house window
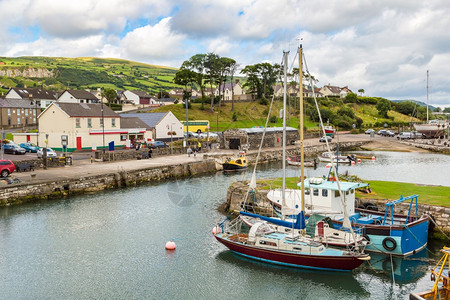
{"x": 18, "y": 112}
{"x": 123, "y": 137}
{"x": 81, "y": 101}
{"x": 18, "y": 121}
{"x": 26, "y": 111}
{"x": 113, "y": 122}
{"x": 324, "y": 193}
{"x": 89, "y": 123}
{"x": 9, "y": 111}
{"x": 9, "y": 121}
{"x": 77, "y": 123}
{"x": 101, "y": 122}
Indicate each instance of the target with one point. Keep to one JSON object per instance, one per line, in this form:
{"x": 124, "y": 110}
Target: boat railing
{"x": 390, "y": 208}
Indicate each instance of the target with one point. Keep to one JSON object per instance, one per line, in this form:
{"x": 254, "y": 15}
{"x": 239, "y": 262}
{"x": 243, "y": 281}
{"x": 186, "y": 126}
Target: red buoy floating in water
{"x": 358, "y": 160}
{"x": 328, "y": 166}
{"x": 170, "y": 245}
{"x": 373, "y": 157}
{"x": 353, "y": 162}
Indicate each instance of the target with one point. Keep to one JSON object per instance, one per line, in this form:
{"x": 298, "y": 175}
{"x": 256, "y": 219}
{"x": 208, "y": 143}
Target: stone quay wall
{"x": 237, "y": 193}
{"x": 29, "y": 192}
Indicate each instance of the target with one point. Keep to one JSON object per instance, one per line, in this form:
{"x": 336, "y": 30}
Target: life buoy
{"x": 387, "y": 246}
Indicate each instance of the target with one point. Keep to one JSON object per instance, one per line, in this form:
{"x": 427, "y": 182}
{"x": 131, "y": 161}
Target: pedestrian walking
{"x": 189, "y": 151}
{"x": 199, "y": 146}
{"x": 150, "y": 151}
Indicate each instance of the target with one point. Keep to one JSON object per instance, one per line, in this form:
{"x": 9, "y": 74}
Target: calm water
{"x": 111, "y": 245}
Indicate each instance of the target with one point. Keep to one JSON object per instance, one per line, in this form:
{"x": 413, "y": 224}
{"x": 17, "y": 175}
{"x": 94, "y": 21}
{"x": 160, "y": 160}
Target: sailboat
{"x": 432, "y": 128}
{"x": 264, "y": 243}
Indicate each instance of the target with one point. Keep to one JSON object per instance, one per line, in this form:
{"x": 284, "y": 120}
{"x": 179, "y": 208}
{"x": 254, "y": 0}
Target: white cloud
{"x": 384, "y": 47}
{"x": 153, "y": 43}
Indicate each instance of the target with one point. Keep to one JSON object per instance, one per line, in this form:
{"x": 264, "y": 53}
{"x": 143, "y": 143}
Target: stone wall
{"x": 28, "y": 192}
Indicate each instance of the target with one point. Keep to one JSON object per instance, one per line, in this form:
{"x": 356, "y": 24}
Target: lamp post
{"x": 103, "y": 128}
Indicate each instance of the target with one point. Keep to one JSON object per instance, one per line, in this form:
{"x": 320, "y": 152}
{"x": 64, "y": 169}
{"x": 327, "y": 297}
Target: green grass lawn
{"x": 383, "y": 190}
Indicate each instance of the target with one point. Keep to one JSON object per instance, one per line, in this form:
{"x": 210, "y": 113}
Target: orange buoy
{"x": 170, "y": 245}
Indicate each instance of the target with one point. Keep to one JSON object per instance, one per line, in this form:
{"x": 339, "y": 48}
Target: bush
{"x": 273, "y": 119}
{"x": 263, "y": 101}
{"x": 234, "y": 117}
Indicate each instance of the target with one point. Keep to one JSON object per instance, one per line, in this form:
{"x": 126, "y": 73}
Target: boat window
{"x": 346, "y": 192}
{"x": 307, "y": 191}
{"x": 316, "y": 192}
{"x": 297, "y": 248}
{"x": 324, "y": 193}
{"x": 352, "y": 191}
{"x": 262, "y": 242}
{"x": 336, "y": 194}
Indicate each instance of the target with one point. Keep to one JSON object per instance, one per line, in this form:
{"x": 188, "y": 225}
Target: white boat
{"x": 326, "y": 157}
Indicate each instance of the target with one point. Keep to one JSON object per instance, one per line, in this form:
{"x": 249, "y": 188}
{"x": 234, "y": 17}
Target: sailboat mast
{"x": 302, "y": 153}
{"x": 427, "y": 96}
{"x": 285, "y": 62}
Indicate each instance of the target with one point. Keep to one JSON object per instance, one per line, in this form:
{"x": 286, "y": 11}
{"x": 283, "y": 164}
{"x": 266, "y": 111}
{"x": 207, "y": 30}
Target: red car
{"x": 6, "y": 167}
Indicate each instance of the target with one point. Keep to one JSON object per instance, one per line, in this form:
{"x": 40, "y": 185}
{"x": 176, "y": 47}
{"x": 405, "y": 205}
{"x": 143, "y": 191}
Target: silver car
{"x": 50, "y": 153}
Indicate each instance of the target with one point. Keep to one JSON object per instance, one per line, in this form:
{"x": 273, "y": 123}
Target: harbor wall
{"x": 238, "y": 191}
{"x": 29, "y": 192}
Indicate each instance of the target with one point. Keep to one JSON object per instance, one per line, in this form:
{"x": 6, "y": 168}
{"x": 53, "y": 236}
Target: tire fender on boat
{"x": 387, "y": 246}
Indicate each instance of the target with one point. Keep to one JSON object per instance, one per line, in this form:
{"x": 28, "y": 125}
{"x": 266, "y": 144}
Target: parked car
{"x": 212, "y": 135}
{"x": 12, "y": 148}
{"x": 157, "y": 144}
{"x": 191, "y": 135}
{"x": 325, "y": 137}
{"x": 388, "y": 133}
{"x": 6, "y": 167}
{"x": 50, "y": 153}
{"x": 405, "y": 135}
{"x": 381, "y": 132}
{"x": 29, "y": 147}
{"x": 369, "y": 131}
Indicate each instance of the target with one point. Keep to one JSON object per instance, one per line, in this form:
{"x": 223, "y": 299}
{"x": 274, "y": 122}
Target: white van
{"x": 405, "y": 135}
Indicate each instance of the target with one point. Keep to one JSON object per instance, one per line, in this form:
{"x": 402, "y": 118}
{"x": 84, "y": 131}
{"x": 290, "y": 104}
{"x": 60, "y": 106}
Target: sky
{"x": 384, "y": 47}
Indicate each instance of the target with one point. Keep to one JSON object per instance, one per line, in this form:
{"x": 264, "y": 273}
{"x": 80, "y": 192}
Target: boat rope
{"x": 437, "y": 226}
{"x": 392, "y": 269}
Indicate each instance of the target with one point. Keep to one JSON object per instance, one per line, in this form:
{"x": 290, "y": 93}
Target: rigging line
{"x": 260, "y": 145}
{"x": 333, "y": 166}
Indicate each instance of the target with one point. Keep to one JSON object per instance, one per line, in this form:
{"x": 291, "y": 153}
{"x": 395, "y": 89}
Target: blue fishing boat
{"x": 385, "y": 231}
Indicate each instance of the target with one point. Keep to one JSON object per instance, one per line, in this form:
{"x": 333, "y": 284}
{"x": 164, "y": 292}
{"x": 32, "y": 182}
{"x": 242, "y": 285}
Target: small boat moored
{"x": 236, "y": 164}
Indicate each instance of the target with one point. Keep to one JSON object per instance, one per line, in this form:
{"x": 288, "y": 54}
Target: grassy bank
{"x": 384, "y": 190}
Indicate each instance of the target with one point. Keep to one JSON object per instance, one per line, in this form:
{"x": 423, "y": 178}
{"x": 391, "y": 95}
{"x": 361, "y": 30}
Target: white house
{"x": 165, "y": 125}
{"x": 137, "y": 97}
{"x": 226, "y": 90}
{"x": 330, "y": 90}
{"x": 85, "y": 127}
{"x": 77, "y": 96}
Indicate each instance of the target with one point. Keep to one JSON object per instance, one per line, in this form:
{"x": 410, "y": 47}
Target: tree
{"x": 383, "y": 107}
{"x": 253, "y": 84}
{"x": 212, "y": 66}
{"x": 185, "y": 77}
{"x": 110, "y": 95}
{"x": 361, "y": 92}
{"x": 196, "y": 64}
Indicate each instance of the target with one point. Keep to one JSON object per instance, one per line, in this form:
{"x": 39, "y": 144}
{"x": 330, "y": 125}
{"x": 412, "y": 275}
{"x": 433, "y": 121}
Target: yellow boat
{"x": 235, "y": 164}
{"x": 441, "y": 287}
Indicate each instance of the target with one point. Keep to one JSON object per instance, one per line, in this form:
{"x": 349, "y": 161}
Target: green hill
{"x": 58, "y": 73}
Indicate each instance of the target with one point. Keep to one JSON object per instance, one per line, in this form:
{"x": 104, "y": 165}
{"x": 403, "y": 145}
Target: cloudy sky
{"x": 384, "y": 47}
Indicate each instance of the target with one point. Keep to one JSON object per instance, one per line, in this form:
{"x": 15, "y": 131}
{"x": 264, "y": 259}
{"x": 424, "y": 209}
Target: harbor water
{"x": 111, "y": 245}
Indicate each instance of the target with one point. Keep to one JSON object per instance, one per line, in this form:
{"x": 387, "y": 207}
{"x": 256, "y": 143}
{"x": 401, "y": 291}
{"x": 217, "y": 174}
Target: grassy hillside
{"x": 249, "y": 114}
{"x": 87, "y": 72}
